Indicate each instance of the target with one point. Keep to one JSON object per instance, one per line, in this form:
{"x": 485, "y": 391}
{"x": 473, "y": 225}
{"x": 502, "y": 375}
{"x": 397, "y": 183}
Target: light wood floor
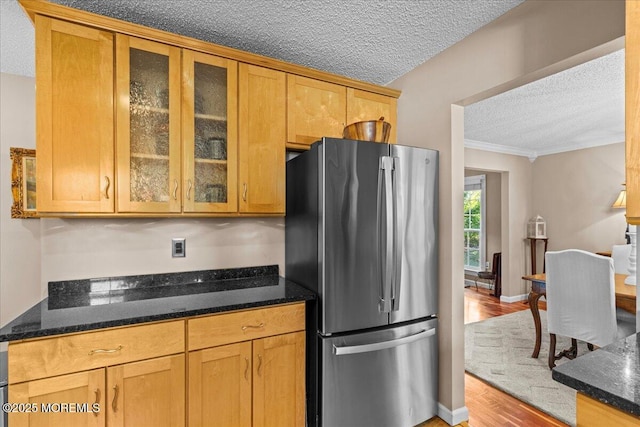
{"x": 488, "y": 406}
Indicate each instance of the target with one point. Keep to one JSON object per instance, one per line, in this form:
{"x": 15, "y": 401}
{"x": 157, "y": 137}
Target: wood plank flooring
{"x": 488, "y": 406}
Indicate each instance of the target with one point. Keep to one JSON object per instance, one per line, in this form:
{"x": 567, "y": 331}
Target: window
{"x": 474, "y": 223}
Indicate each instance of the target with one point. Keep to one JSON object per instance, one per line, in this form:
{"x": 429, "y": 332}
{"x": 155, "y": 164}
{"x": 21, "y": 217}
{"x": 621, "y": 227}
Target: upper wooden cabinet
{"x": 315, "y": 109}
{"x": 209, "y": 133}
{"x": 74, "y": 117}
{"x": 363, "y": 106}
{"x": 263, "y": 112}
{"x": 148, "y": 126}
{"x": 632, "y": 110}
{"x": 134, "y": 121}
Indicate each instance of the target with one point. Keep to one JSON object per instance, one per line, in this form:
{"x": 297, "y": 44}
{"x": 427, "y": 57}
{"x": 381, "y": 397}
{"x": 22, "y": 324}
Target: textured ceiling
{"x": 577, "y": 108}
{"x": 375, "y": 41}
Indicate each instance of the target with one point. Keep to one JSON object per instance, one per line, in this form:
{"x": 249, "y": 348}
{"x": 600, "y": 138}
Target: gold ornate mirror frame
{"x": 23, "y": 182}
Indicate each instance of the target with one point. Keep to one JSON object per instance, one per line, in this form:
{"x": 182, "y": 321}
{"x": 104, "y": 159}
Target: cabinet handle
{"x": 97, "y": 392}
{"x": 103, "y": 350}
{"x": 189, "y": 189}
{"x": 114, "y": 402}
{"x": 246, "y": 369}
{"x": 175, "y": 189}
{"x": 259, "y": 364}
{"x": 261, "y": 325}
{"x": 244, "y": 192}
{"x": 106, "y": 190}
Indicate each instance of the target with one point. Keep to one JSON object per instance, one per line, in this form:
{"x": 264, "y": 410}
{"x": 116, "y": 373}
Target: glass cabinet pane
{"x": 149, "y": 126}
{"x": 210, "y": 133}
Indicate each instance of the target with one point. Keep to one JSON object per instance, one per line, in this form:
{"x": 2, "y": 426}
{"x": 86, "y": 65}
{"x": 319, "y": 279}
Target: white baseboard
{"x": 515, "y": 298}
{"x": 454, "y": 417}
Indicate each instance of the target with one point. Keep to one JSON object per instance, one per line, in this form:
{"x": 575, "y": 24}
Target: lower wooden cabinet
{"x": 243, "y": 368}
{"x": 147, "y": 393}
{"x": 261, "y": 380}
{"x": 220, "y": 386}
{"x": 279, "y": 381}
{"x": 38, "y": 402}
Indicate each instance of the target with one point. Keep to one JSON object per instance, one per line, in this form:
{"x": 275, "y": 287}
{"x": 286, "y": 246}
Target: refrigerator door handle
{"x": 386, "y": 261}
{"x": 398, "y": 244}
{"x": 367, "y": 348}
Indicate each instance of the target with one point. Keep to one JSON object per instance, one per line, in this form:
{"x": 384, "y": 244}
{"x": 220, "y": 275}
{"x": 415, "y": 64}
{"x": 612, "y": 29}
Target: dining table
{"x": 625, "y": 299}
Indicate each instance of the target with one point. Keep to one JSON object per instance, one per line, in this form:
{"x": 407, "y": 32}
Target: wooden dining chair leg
{"x": 552, "y": 351}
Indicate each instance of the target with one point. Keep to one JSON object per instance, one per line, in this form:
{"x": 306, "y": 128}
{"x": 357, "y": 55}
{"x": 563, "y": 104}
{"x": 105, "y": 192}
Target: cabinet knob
{"x": 244, "y": 192}
{"x": 175, "y": 189}
{"x": 189, "y": 189}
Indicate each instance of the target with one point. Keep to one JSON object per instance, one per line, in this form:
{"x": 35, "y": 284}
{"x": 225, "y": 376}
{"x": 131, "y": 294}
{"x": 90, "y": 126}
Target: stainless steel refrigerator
{"x": 361, "y": 231}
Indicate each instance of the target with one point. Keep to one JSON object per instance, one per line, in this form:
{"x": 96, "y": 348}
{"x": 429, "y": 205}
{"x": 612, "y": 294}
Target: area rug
{"x": 498, "y": 351}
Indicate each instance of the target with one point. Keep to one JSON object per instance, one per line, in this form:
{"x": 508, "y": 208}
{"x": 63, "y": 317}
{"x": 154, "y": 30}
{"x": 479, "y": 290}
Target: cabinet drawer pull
{"x": 189, "y": 189}
{"x": 103, "y": 350}
{"x": 175, "y": 189}
{"x": 106, "y": 190}
{"x": 97, "y": 403}
{"x": 259, "y": 364}
{"x": 246, "y": 369}
{"x": 261, "y": 325}
{"x": 244, "y": 191}
{"x": 114, "y": 402}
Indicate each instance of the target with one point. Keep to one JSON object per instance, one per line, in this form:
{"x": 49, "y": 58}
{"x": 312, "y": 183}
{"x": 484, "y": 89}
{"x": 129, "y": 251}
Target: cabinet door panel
{"x": 84, "y": 389}
{"x": 74, "y": 100}
{"x": 632, "y": 110}
{"x": 220, "y": 386}
{"x": 148, "y": 146}
{"x": 362, "y": 105}
{"x": 279, "y": 380}
{"x": 147, "y": 393}
{"x": 209, "y": 133}
{"x": 262, "y": 139}
{"x": 314, "y": 109}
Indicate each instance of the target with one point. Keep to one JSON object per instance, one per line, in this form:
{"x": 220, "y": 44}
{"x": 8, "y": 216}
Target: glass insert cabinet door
{"x": 209, "y": 133}
{"x": 148, "y": 126}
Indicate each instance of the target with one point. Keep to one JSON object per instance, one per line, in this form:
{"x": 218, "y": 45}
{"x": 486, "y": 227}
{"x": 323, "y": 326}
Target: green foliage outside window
{"x": 472, "y": 221}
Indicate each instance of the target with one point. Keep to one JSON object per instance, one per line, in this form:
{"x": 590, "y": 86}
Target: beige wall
{"x": 531, "y": 41}
{"x": 19, "y": 238}
{"x": 573, "y": 192}
{"x": 84, "y": 248}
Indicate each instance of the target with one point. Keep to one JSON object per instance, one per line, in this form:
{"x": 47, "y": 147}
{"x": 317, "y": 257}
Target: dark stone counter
{"x": 83, "y": 305}
{"x": 610, "y": 374}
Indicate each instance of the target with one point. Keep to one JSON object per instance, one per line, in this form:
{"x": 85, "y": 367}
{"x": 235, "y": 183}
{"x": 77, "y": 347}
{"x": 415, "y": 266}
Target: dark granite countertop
{"x": 83, "y": 305}
{"x": 610, "y": 374}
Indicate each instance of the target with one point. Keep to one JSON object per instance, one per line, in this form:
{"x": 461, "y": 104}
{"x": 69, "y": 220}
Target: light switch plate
{"x": 178, "y": 247}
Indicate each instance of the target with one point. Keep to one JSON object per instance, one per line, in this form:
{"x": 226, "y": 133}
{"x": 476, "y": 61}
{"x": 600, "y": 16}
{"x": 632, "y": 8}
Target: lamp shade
{"x": 621, "y": 201}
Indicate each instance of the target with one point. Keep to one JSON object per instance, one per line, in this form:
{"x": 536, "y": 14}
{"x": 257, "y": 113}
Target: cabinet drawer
{"x": 245, "y": 325}
{"x": 72, "y": 353}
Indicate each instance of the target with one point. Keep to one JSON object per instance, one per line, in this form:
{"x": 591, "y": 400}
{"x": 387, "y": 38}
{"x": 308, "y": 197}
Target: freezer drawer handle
{"x": 366, "y": 348}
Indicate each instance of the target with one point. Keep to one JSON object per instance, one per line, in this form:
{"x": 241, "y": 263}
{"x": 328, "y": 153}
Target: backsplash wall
{"x": 86, "y": 248}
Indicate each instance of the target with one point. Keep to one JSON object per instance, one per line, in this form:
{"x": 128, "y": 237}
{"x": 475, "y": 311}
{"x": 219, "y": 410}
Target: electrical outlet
{"x": 178, "y": 247}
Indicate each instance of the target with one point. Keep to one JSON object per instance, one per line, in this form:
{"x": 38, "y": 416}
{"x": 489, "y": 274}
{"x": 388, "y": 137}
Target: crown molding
{"x": 532, "y": 155}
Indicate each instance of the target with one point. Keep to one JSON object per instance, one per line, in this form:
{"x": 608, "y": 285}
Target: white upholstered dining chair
{"x": 581, "y": 301}
{"x": 620, "y": 255}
